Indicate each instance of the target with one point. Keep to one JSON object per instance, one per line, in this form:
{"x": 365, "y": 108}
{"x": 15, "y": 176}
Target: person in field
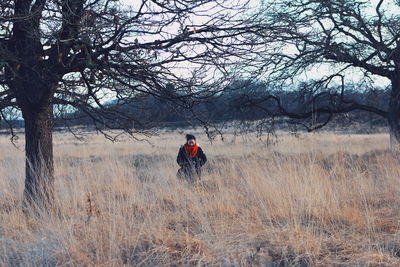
{"x": 190, "y": 159}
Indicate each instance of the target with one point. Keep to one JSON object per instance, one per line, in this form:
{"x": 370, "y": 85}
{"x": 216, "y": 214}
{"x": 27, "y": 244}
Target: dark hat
{"x": 190, "y": 137}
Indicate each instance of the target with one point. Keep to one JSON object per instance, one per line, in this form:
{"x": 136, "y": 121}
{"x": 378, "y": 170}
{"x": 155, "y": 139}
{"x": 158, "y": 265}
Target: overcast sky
{"x": 389, "y": 8}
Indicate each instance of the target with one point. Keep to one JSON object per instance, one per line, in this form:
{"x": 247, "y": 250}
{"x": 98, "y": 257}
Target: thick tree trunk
{"x": 39, "y": 181}
{"x": 394, "y": 114}
{"x": 32, "y": 80}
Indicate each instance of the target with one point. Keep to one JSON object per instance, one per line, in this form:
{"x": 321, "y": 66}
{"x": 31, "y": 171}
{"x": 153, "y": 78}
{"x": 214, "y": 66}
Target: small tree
{"x": 325, "y": 43}
{"x": 83, "y": 53}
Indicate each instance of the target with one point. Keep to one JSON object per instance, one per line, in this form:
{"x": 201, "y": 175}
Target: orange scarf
{"x": 191, "y": 150}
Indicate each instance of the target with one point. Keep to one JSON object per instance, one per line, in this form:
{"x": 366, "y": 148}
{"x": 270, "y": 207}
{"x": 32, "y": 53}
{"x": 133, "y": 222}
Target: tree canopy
{"x": 82, "y": 53}
{"x": 328, "y": 44}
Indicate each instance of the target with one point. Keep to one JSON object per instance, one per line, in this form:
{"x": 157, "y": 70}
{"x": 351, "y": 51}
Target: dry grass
{"x": 322, "y": 199}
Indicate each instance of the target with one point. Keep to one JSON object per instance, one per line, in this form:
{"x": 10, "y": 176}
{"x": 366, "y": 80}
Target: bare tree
{"x": 82, "y": 53}
{"x": 327, "y": 43}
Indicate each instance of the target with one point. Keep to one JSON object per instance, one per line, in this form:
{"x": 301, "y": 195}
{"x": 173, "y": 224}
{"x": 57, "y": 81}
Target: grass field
{"x": 320, "y": 199}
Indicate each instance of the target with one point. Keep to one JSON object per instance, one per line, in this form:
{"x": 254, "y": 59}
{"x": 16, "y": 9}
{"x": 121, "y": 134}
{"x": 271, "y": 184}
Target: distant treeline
{"x": 241, "y": 101}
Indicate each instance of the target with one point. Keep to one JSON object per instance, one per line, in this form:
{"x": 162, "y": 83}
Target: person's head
{"x": 190, "y": 139}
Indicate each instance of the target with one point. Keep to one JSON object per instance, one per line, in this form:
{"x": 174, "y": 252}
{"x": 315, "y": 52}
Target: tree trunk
{"x": 394, "y": 114}
{"x": 39, "y": 181}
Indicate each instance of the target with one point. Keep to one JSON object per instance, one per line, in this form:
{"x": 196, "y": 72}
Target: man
{"x": 190, "y": 158}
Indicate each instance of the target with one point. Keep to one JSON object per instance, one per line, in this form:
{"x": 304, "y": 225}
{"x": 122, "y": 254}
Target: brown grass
{"x": 321, "y": 199}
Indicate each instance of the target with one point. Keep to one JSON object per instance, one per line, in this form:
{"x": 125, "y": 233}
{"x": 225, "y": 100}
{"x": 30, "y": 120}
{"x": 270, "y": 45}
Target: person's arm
{"x": 202, "y": 156}
{"x": 180, "y": 159}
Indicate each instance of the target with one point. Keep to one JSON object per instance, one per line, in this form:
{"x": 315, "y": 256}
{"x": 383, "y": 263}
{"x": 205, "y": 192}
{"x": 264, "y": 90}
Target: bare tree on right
{"x": 330, "y": 43}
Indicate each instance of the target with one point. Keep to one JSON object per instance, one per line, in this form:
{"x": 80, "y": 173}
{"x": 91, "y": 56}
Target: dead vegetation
{"x": 321, "y": 199}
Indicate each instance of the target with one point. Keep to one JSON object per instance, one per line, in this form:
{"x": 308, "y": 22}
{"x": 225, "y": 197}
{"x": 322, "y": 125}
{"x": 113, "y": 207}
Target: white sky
{"x": 388, "y": 7}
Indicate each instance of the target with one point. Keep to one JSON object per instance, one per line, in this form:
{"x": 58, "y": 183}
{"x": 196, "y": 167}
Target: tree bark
{"x": 39, "y": 181}
{"x": 394, "y": 114}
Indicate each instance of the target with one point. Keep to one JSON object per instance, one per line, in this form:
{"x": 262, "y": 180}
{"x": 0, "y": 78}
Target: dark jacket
{"x": 188, "y": 163}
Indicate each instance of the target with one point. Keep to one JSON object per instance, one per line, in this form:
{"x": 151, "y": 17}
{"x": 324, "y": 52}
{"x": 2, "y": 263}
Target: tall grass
{"x": 322, "y": 199}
